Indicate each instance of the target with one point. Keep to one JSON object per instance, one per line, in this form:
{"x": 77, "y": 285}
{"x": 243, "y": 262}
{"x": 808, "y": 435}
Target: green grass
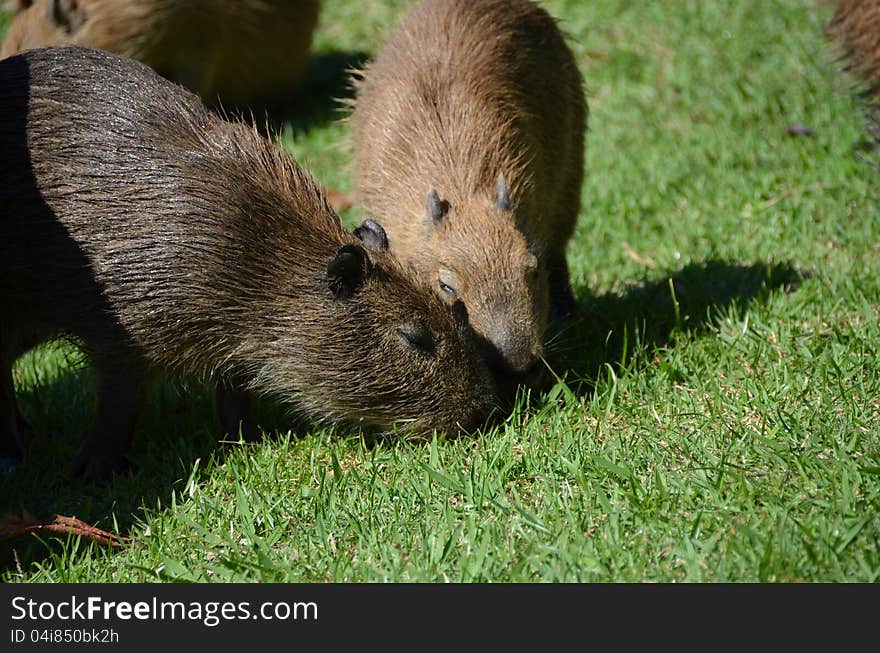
{"x": 719, "y": 415}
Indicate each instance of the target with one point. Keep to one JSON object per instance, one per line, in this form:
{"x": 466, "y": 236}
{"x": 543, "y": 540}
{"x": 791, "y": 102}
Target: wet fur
{"x": 166, "y": 240}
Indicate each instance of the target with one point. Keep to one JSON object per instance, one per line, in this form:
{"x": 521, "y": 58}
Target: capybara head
{"x": 382, "y": 351}
{"x": 474, "y": 255}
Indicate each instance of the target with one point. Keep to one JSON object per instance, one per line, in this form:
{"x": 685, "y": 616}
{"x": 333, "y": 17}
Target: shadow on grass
{"x": 318, "y": 100}
{"x": 178, "y": 427}
{"x": 617, "y": 327}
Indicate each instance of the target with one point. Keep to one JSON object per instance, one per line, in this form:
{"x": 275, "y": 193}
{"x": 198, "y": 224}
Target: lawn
{"x": 716, "y": 417}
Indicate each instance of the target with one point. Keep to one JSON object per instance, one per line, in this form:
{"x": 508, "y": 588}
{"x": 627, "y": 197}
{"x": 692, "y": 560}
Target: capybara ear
{"x": 347, "y": 270}
{"x": 503, "y": 199}
{"x": 437, "y": 208}
{"x": 373, "y": 235}
{"x": 66, "y": 14}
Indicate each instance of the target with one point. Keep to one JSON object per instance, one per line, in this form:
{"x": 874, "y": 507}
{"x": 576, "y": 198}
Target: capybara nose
{"x": 509, "y": 353}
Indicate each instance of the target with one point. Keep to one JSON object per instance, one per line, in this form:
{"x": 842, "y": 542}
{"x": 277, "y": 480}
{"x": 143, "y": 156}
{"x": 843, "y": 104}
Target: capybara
{"x": 235, "y": 51}
{"x": 164, "y": 239}
{"x": 468, "y": 136}
{"x": 855, "y": 29}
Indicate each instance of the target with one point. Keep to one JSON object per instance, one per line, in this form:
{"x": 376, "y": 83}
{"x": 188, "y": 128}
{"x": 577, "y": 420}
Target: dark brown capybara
{"x": 468, "y": 149}
{"x": 855, "y": 30}
{"x": 163, "y": 239}
{"x": 237, "y": 51}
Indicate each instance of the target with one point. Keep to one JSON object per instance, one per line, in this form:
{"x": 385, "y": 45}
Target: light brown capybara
{"x": 235, "y": 51}
{"x": 162, "y": 238}
{"x": 468, "y": 135}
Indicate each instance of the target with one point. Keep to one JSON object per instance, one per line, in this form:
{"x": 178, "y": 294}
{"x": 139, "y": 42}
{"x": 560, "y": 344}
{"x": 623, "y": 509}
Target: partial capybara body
{"x": 855, "y": 29}
{"x": 468, "y": 149}
{"x": 237, "y": 51}
{"x": 164, "y": 239}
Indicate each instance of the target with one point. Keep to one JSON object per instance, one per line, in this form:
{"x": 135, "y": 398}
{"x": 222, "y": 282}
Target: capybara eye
{"x": 449, "y": 290}
{"x": 417, "y": 335}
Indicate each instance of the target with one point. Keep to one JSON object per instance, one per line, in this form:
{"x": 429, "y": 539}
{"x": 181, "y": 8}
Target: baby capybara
{"x": 162, "y": 238}
{"x": 468, "y": 149}
{"x": 237, "y": 51}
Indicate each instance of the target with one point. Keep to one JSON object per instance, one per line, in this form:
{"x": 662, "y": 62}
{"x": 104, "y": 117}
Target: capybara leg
{"x": 562, "y": 303}
{"x": 234, "y": 408}
{"x": 120, "y": 394}
{"x": 11, "y": 421}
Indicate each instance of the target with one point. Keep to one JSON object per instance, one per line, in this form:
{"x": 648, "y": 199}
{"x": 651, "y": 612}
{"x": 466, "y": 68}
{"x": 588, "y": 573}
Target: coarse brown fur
{"x": 162, "y": 238}
{"x": 472, "y": 98}
{"x": 855, "y": 29}
{"x": 239, "y": 51}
